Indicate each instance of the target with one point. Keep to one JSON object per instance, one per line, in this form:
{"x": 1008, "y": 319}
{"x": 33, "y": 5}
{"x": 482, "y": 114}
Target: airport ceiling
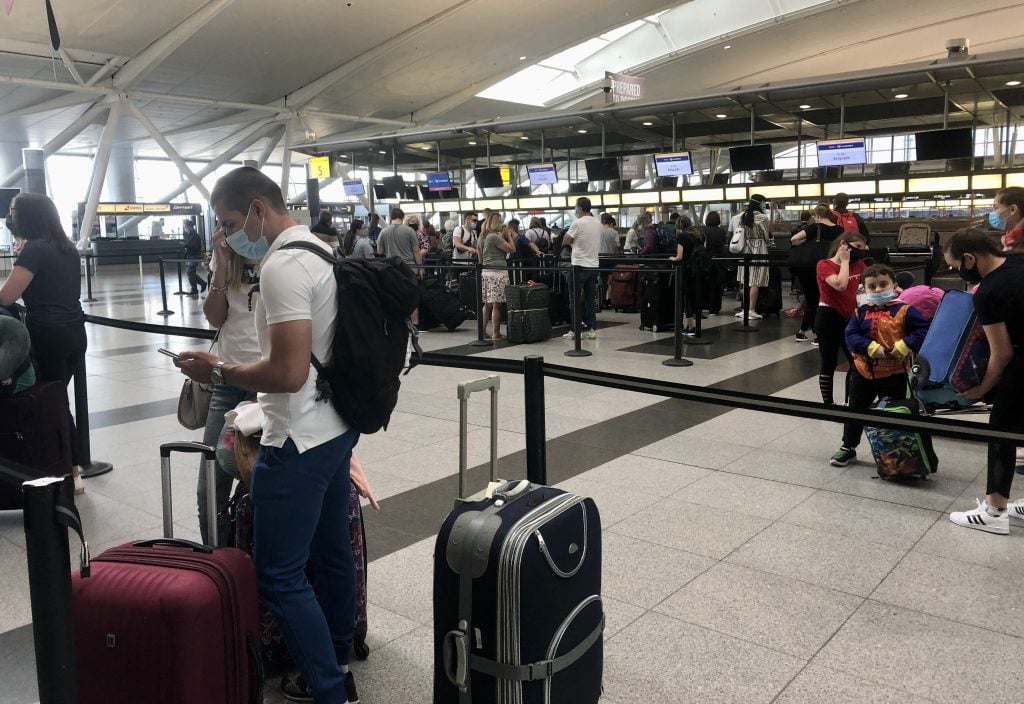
{"x": 369, "y": 76}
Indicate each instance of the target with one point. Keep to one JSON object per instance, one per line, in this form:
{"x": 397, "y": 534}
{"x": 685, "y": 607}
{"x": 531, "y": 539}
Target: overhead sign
{"x": 354, "y": 187}
{"x": 136, "y": 208}
{"x": 622, "y": 88}
{"x": 634, "y": 166}
{"x": 319, "y": 167}
{"x": 542, "y": 174}
{"x": 675, "y": 164}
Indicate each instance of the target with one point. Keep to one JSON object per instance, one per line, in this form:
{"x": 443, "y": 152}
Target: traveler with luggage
{"x": 585, "y": 238}
{"x": 373, "y": 229}
{"x": 634, "y": 236}
{"x": 325, "y": 229}
{"x": 539, "y": 235}
{"x": 300, "y": 483}
{"x": 838, "y": 278}
{"x": 716, "y": 241}
{"x": 810, "y": 244}
{"x": 227, "y": 309}
{"x": 849, "y": 220}
{"x": 356, "y": 244}
{"x": 464, "y": 240}
{"x": 1008, "y": 215}
{"x": 756, "y": 234}
{"x": 687, "y": 243}
{"x": 193, "y": 252}
{"x": 47, "y": 276}
{"x": 496, "y": 243}
{"x": 882, "y": 335}
{"x": 999, "y": 302}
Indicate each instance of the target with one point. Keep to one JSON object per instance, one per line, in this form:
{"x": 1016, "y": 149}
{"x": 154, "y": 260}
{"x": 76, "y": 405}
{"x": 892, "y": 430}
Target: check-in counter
{"x": 128, "y": 251}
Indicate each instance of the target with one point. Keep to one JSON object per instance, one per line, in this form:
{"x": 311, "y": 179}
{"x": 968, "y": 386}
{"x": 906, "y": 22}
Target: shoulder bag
{"x": 809, "y": 252}
{"x": 194, "y": 401}
{"x": 739, "y": 240}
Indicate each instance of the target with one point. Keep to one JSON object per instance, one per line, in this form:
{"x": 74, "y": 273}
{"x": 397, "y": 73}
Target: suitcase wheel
{"x": 654, "y": 328}
{"x": 361, "y": 649}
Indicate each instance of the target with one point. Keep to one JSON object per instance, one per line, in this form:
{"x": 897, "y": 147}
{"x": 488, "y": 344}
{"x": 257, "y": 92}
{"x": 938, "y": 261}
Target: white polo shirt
{"x": 586, "y": 241}
{"x": 298, "y": 285}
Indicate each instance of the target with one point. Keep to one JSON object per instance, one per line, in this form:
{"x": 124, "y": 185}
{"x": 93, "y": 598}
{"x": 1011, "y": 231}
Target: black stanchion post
{"x": 49, "y": 584}
{"x": 480, "y": 340}
{"x": 88, "y": 279}
{"x": 698, "y": 295}
{"x": 745, "y": 326}
{"x": 677, "y": 359}
{"x": 181, "y": 288}
{"x": 536, "y": 442}
{"x": 163, "y": 290}
{"x": 86, "y": 467}
{"x": 575, "y": 303}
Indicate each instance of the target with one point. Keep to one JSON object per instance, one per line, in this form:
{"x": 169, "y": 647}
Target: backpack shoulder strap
{"x": 310, "y": 247}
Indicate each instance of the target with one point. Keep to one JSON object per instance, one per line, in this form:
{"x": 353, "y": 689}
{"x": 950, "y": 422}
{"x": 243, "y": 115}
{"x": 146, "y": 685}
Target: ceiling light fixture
{"x": 472, "y": 144}
{"x": 901, "y": 96}
{"x": 522, "y": 58}
{"x": 721, "y": 116}
{"x": 648, "y": 124}
{"x": 805, "y": 107}
{"x": 381, "y": 151}
{"x": 727, "y": 47}
{"x": 524, "y": 138}
{"x": 1013, "y": 83}
{"x": 582, "y": 131}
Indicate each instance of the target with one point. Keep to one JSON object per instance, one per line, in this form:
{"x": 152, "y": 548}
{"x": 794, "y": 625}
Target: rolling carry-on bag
{"x": 169, "y": 621}
{"x": 658, "y": 308}
{"x": 34, "y": 432}
{"x": 529, "y": 319}
{"x": 901, "y": 454}
{"x": 518, "y": 615}
{"x": 439, "y": 307}
{"x": 953, "y": 356}
{"x": 769, "y": 298}
{"x": 623, "y": 288}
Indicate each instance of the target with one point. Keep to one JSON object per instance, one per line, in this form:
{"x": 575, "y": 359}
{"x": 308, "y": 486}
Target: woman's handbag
{"x": 194, "y": 404}
{"x": 809, "y": 252}
{"x": 739, "y": 240}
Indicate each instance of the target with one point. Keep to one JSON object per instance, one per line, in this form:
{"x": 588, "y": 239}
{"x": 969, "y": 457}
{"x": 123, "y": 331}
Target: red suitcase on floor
{"x": 168, "y": 621}
{"x": 624, "y": 287}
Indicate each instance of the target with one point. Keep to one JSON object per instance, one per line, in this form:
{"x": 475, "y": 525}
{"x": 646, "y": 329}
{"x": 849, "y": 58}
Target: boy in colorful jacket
{"x": 881, "y": 337}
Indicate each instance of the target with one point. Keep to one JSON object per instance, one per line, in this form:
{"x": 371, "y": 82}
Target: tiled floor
{"x": 738, "y": 566}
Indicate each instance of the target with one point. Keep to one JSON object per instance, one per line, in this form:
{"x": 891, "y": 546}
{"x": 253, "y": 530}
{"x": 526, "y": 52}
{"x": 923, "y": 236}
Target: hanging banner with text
{"x": 623, "y": 88}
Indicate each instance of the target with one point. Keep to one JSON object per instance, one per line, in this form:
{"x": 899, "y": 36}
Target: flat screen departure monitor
{"x": 354, "y": 188}
{"x": 6, "y": 196}
{"x": 410, "y": 193}
{"x": 395, "y": 185}
{"x": 439, "y": 181}
{"x": 602, "y": 169}
{"x": 675, "y": 164}
{"x": 945, "y": 144}
{"x": 381, "y": 192}
{"x": 488, "y": 177}
{"x": 841, "y": 152}
{"x": 542, "y": 174}
{"x": 758, "y": 157}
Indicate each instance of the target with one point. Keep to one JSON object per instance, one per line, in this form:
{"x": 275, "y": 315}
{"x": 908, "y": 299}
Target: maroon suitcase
{"x": 168, "y": 621}
{"x": 623, "y": 288}
{"x": 34, "y": 432}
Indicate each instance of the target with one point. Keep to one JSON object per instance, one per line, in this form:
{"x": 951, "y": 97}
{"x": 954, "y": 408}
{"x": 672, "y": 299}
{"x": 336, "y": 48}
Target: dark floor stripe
{"x": 414, "y": 515}
{"x": 129, "y": 414}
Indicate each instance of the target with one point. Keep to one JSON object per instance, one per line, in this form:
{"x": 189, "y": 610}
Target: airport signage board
{"x": 623, "y": 88}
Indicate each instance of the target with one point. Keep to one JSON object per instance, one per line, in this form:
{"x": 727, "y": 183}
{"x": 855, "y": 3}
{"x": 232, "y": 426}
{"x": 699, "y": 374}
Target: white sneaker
{"x": 1015, "y": 510}
{"x": 981, "y": 518}
{"x": 756, "y": 316}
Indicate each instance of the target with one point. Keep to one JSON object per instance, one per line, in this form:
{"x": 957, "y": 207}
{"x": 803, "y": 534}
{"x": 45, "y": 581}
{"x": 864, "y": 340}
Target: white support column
{"x": 99, "y": 170}
{"x": 169, "y": 150}
{"x": 272, "y": 141}
{"x": 286, "y": 160}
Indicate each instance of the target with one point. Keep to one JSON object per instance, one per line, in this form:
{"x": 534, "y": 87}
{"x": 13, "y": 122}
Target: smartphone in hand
{"x": 170, "y": 354}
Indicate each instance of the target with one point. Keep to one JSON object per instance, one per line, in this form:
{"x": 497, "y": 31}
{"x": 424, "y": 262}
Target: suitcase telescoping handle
{"x": 466, "y": 389}
{"x": 209, "y": 454}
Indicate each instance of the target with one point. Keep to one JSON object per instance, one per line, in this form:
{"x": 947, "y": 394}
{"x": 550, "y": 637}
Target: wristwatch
{"x": 217, "y": 373}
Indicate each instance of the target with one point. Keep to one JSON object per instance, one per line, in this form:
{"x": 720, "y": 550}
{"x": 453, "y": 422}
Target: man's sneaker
{"x": 569, "y": 335}
{"x": 844, "y": 456}
{"x": 981, "y": 518}
{"x": 1015, "y": 510}
{"x": 591, "y": 334}
{"x": 801, "y": 337}
{"x": 350, "y": 689}
{"x": 296, "y": 690}
{"x": 814, "y": 342}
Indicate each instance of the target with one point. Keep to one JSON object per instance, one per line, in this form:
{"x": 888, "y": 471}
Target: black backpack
{"x": 371, "y": 338}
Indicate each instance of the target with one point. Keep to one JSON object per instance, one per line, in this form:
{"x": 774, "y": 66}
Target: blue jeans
{"x": 586, "y": 280}
{"x": 300, "y": 511}
{"x": 222, "y": 400}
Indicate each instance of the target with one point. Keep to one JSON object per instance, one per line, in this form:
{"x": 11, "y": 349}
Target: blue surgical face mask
{"x": 996, "y": 220}
{"x": 880, "y": 298}
{"x": 243, "y": 246}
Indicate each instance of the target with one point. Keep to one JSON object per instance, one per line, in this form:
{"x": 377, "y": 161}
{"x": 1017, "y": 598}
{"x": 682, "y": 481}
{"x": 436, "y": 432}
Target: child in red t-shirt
{"x": 838, "y": 280}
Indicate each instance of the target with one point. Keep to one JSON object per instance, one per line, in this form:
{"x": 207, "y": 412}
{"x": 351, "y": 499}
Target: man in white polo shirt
{"x": 585, "y": 237}
{"x": 300, "y": 481}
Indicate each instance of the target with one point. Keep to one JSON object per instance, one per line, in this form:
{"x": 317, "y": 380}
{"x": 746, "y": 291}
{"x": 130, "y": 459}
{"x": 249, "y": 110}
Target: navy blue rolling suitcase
{"x": 953, "y": 356}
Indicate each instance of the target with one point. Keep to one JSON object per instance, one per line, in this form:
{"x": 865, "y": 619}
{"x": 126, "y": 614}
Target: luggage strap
{"x": 541, "y": 670}
{"x": 68, "y": 517}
